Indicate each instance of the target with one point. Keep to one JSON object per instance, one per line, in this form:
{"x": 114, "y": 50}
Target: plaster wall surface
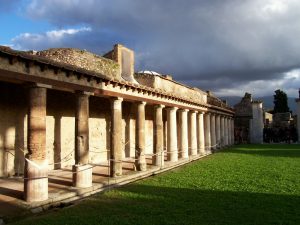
{"x": 256, "y": 123}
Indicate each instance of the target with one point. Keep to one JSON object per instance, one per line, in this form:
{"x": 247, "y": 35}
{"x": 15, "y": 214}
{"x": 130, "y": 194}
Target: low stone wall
{"x": 83, "y": 59}
{"x": 167, "y": 85}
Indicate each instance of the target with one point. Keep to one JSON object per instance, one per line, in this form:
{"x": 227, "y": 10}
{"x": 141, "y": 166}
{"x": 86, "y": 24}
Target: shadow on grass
{"x": 164, "y": 205}
{"x": 143, "y": 204}
{"x": 292, "y": 151}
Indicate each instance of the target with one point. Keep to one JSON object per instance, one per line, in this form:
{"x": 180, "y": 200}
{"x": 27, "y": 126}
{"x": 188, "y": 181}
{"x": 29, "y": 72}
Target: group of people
{"x": 280, "y": 134}
{"x": 270, "y": 135}
{"x": 241, "y": 135}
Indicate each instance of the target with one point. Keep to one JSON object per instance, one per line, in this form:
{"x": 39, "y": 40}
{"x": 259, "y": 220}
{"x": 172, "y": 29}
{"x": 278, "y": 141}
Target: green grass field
{"x": 246, "y": 184}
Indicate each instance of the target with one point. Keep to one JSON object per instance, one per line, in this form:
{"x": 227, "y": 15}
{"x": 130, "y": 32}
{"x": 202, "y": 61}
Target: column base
{"x": 141, "y": 164}
{"x": 82, "y": 176}
{"x": 208, "y": 151}
{"x": 115, "y": 169}
{"x": 36, "y": 181}
{"x": 158, "y": 160}
{"x": 193, "y": 152}
{"x": 202, "y": 152}
{"x": 173, "y": 157}
{"x": 184, "y": 154}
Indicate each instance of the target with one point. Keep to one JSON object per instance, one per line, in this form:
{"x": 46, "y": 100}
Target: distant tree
{"x": 280, "y": 102}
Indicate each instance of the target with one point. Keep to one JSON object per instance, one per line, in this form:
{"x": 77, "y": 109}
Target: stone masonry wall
{"x": 84, "y": 60}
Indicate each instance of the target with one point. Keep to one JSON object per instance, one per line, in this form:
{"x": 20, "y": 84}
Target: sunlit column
{"x": 172, "y": 135}
{"x": 207, "y": 132}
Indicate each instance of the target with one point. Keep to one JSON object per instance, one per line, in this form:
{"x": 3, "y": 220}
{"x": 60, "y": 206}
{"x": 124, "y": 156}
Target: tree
{"x": 280, "y": 102}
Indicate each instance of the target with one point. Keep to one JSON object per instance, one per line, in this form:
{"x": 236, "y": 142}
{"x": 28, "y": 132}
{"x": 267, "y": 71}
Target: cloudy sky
{"x": 227, "y": 46}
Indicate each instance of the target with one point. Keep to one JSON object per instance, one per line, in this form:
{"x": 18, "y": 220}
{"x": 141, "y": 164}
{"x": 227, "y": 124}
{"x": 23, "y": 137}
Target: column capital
{"x": 141, "y": 103}
{"x": 201, "y": 112}
{"x": 116, "y": 99}
{"x": 77, "y": 92}
{"x": 183, "y": 110}
{"x": 172, "y": 108}
{"x": 116, "y": 103}
{"x": 159, "y": 106}
{"x": 37, "y": 85}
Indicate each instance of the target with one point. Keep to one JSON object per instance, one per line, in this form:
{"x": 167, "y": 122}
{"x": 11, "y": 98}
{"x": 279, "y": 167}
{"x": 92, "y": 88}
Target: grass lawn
{"x": 246, "y": 184}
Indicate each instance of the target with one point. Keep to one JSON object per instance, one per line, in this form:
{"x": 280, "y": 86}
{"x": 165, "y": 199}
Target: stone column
{"x": 116, "y": 138}
{"x": 172, "y": 135}
{"x": 213, "y": 131}
{"x": 207, "y": 133}
{"x": 82, "y": 171}
{"x": 183, "y": 145}
{"x": 158, "y": 158}
{"x": 140, "y": 158}
{"x": 218, "y": 131}
{"x": 222, "y": 131}
{"x": 36, "y": 164}
{"x": 226, "y": 131}
{"x": 193, "y": 133}
{"x": 201, "y": 140}
{"x": 229, "y": 132}
{"x": 298, "y": 117}
{"x": 232, "y": 131}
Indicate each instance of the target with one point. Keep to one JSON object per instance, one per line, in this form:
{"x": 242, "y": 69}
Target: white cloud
{"x": 276, "y": 6}
{"x": 53, "y": 38}
{"x": 58, "y": 34}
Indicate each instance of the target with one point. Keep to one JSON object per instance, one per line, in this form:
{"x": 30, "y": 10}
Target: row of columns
{"x": 219, "y": 131}
{"x": 197, "y": 134}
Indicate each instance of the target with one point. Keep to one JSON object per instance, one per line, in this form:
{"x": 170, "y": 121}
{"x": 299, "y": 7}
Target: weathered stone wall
{"x": 60, "y": 129}
{"x": 166, "y": 85}
{"x": 85, "y": 60}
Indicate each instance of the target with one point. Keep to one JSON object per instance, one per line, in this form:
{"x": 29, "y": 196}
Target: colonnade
{"x": 189, "y": 133}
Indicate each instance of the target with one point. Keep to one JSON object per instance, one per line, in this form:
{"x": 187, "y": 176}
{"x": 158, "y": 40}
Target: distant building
{"x": 249, "y": 122}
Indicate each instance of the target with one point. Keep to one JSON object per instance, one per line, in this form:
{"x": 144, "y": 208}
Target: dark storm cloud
{"x": 221, "y": 42}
